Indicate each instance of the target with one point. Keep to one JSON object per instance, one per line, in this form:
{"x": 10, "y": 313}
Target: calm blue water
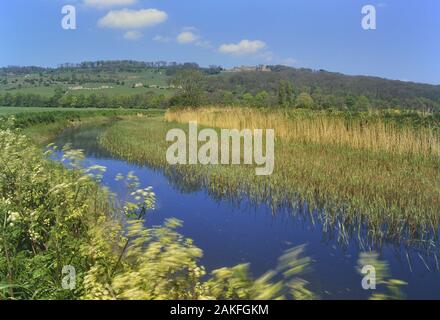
{"x": 230, "y": 234}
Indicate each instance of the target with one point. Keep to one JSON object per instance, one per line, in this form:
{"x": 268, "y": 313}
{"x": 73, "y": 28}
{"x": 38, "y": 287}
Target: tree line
{"x": 198, "y": 89}
{"x": 59, "y": 99}
{"x": 193, "y": 92}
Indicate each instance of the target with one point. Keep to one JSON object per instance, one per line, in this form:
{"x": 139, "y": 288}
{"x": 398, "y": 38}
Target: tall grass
{"x": 366, "y": 131}
{"x": 369, "y": 193}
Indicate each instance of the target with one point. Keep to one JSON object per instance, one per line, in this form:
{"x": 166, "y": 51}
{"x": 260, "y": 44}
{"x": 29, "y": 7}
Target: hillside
{"x": 116, "y": 79}
{"x": 386, "y": 93}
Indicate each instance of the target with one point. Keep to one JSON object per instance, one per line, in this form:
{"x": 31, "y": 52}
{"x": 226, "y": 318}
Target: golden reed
{"x": 319, "y": 127}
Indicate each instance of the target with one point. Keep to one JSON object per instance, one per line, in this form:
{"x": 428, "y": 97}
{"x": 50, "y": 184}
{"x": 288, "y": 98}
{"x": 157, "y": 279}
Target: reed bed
{"x": 365, "y": 131}
{"x": 370, "y": 193}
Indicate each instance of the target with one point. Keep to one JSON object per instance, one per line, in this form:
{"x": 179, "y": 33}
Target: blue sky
{"x": 318, "y": 34}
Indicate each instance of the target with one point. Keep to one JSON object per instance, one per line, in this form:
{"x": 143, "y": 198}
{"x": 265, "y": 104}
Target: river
{"x": 231, "y": 233}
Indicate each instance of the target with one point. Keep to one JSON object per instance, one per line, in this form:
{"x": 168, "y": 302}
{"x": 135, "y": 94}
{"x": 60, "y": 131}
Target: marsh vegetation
{"x": 375, "y": 175}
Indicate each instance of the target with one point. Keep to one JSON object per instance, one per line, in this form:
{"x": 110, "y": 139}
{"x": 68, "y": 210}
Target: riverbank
{"x": 43, "y": 126}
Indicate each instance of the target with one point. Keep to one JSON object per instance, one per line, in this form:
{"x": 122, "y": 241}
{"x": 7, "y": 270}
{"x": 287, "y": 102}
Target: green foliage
{"x": 362, "y": 103}
{"x": 191, "y": 84}
{"x": 333, "y": 88}
{"x": 135, "y": 100}
{"x": 382, "y": 277}
{"x": 304, "y": 100}
{"x": 262, "y": 99}
{"x": 235, "y": 283}
{"x": 285, "y": 94}
{"x": 350, "y": 102}
{"x": 157, "y": 263}
{"x": 24, "y": 119}
{"x": 44, "y": 212}
{"x": 248, "y": 99}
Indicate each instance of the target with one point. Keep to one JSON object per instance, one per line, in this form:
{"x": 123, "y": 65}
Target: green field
{"x": 40, "y": 90}
{"x": 93, "y": 82}
{"x": 121, "y": 90}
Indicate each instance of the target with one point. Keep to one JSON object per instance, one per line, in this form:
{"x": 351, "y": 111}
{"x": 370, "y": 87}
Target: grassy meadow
{"x": 371, "y": 175}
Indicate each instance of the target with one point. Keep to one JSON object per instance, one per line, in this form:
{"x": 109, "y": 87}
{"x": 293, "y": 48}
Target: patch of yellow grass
{"x": 372, "y": 133}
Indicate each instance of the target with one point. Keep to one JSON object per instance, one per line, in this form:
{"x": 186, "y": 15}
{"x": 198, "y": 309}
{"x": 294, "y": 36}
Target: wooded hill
{"x": 313, "y": 88}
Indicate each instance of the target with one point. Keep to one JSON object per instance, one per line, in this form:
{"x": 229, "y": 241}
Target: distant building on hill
{"x": 259, "y": 68}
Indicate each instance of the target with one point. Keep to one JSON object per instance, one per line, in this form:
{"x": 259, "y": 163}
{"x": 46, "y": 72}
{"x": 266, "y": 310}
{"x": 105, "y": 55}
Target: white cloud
{"x": 132, "y": 19}
{"x": 132, "y": 35}
{"x": 243, "y": 47}
{"x": 159, "y": 38}
{"x": 108, "y": 3}
{"x": 187, "y": 37}
{"x": 190, "y": 35}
